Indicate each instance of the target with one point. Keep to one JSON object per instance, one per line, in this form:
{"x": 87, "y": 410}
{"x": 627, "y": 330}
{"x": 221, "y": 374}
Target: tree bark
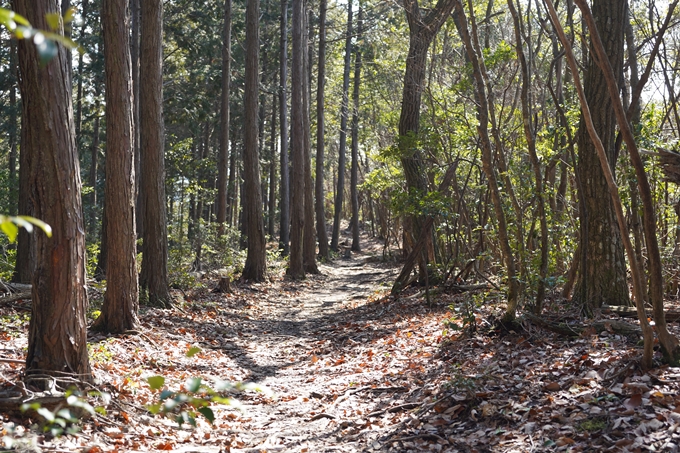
{"x": 354, "y": 173}
{"x": 296, "y": 266}
{"x": 222, "y": 161}
{"x": 135, "y": 44}
{"x": 422, "y": 30}
{"x": 57, "y": 341}
{"x": 284, "y": 240}
{"x": 121, "y": 300}
{"x": 92, "y": 177}
{"x": 26, "y": 246}
{"x": 154, "y": 274}
{"x": 13, "y": 128}
{"x": 669, "y": 343}
{"x": 647, "y": 333}
{"x": 603, "y": 280}
{"x": 255, "y": 266}
{"x": 79, "y": 93}
{"x": 344, "y": 111}
{"x": 309, "y": 235}
{"x": 271, "y": 219}
{"x": 231, "y": 183}
{"x": 320, "y": 194}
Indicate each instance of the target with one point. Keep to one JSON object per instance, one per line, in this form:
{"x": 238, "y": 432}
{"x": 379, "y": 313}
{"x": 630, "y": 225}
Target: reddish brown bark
{"x": 57, "y": 343}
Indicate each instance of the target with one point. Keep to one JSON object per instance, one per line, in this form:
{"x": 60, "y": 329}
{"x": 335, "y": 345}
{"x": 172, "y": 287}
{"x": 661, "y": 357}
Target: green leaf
{"x": 156, "y": 382}
{"x": 70, "y": 15}
{"x": 165, "y": 394}
{"x": 10, "y": 229}
{"x": 76, "y": 401}
{"x": 154, "y": 408}
{"x": 53, "y": 20}
{"x": 207, "y": 413}
{"x": 46, "y": 414}
{"x": 221, "y": 400}
{"x": 193, "y": 384}
{"x": 193, "y": 351}
{"x": 37, "y": 222}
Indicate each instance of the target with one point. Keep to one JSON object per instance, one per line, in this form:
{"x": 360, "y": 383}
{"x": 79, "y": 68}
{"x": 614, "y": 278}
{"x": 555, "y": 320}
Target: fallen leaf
{"x": 633, "y": 402}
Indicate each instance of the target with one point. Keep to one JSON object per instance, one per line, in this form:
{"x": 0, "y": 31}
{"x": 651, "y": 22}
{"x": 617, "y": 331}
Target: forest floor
{"x": 352, "y": 369}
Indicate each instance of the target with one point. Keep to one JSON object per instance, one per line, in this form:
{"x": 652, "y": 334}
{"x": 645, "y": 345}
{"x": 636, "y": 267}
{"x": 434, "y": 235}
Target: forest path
{"x": 299, "y": 347}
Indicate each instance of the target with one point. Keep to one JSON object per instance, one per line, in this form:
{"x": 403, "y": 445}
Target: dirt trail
{"x": 294, "y": 351}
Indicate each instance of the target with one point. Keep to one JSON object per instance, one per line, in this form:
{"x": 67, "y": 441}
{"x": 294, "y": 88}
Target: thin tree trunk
{"x": 284, "y": 203}
{"x": 530, "y": 137}
{"x": 121, "y": 300}
{"x": 231, "y": 184}
{"x": 154, "y": 274}
{"x": 222, "y": 161}
{"x": 487, "y": 165}
{"x": 321, "y": 232}
{"x": 135, "y": 12}
{"x": 13, "y": 127}
{"x": 354, "y": 174}
{"x": 271, "y": 220}
{"x": 296, "y": 266}
{"x": 344, "y": 111}
{"x": 79, "y": 95}
{"x": 26, "y": 246}
{"x": 255, "y": 266}
{"x": 309, "y": 236}
{"x": 92, "y": 177}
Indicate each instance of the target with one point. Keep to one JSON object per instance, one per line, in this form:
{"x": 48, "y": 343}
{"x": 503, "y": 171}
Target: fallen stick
{"x": 4, "y": 360}
{"x": 14, "y": 297}
{"x": 575, "y": 330}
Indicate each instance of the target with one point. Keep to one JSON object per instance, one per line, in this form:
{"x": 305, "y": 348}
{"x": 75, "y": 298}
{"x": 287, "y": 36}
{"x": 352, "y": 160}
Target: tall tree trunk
{"x": 530, "y": 137}
{"x": 26, "y": 244}
{"x": 354, "y": 174}
{"x": 255, "y": 266}
{"x": 603, "y": 280}
{"x": 309, "y": 235}
{"x": 669, "y": 343}
{"x": 297, "y": 209}
{"x": 647, "y": 333}
{"x": 636, "y": 221}
{"x": 13, "y": 128}
{"x": 319, "y": 191}
{"x": 231, "y": 183}
{"x": 284, "y": 204}
{"x": 135, "y": 35}
{"x": 121, "y": 300}
{"x": 79, "y": 94}
{"x": 344, "y": 110}
{"x": 224, "y": 120}
{"x": 272, "y": 171}
{"x": 92, "y": 177}
{"x": 422, "y": 31}
{"x": 154, "y": 274}
{"x": 487, "y": 164}
{"x": 57, "y": 339}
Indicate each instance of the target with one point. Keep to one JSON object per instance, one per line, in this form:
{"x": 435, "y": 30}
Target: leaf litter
{"x": 353, "y": 369}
